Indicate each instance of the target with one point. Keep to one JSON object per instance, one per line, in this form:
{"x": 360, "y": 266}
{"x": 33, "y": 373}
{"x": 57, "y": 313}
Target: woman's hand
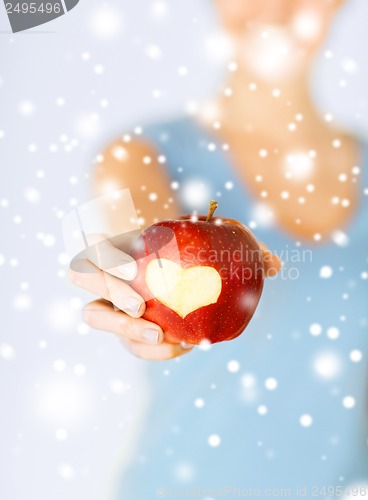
{"x": 120, "y": 309}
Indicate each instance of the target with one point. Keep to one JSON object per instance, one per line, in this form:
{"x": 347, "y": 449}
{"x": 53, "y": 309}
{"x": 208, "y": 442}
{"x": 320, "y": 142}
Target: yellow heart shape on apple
{"x": 183, "y": 290}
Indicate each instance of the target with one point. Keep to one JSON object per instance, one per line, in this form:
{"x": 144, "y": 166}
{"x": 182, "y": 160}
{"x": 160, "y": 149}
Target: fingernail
{"x": 186, "y": 346}
{"x": 128, "y": 270}
{"x": 131, "y": 305}
{"x": 151, "y": 335}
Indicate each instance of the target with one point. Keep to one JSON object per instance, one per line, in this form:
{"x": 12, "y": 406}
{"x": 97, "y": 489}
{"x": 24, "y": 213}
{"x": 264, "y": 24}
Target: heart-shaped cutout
{"x": 183, "y": 290}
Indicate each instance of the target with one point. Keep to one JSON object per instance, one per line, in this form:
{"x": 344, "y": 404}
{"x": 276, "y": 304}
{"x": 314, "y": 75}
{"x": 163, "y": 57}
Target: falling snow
{"x": 327, "y": 365}
{"x": 306, "y": 420}
{"x": 356, "y": 356}
{"x": 271, "y": 384}
{"x": 315, "y": 329}
{"x": 233, "y": 366}
{"x": 325, "y": 272}
{"x": 77, "y": 382}
{"x": 199, "y": 403}
{"x": 262, "y": 410}
{"x": 348, "y": 402}
{"x": 7, "y": 352}
{"x": 214, "y": 440}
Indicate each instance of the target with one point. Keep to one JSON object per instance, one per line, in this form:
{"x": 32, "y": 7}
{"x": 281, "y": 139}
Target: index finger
{"x": 112, "y": 260}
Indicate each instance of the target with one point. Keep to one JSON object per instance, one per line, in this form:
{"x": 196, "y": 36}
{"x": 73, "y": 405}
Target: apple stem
{"x": 211, "y": 210}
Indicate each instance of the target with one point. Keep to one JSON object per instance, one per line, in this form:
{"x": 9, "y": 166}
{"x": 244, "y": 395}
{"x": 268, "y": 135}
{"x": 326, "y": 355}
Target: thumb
{"x": 272, "y": 263}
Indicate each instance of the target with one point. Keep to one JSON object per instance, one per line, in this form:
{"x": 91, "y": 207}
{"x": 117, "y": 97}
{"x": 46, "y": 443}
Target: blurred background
{"x": 72, "y": 398}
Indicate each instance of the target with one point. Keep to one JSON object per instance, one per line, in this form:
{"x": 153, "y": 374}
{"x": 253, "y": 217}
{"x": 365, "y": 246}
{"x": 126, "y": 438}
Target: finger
{"x": 101, "y": 316}
{"x": 272, "y": 263}
{"x": 110, "y": 259}
{"x": 159, "y": 352}
{"x": 110, "y": 288}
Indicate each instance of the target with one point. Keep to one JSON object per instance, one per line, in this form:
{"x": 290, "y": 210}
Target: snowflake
{"x": 315, "y": 329}
{"x": 59, "y": 365}
{"x": 333, "y": 333}
{"x": 106, "y": 22}
{"x": 61, "y": 434}
{"x": 7, "y": 352}
{"x": 271, "y": 384}
{"x": 325, "y": 272}
{"x": 79, "y": 369}
{"x": 26, "y": 108}
{"x": 306, "y": 420}
{"x": 356, "y": 356}
{"x": 199, "y": 403}
{"x": 22, "y": 302}
{"x": 327, "y": 365}
{"x": 348, "y": 402}
{"x": 214, "y": 440}
{"x": 153, "y": 52}
{"x": 99, "y": 69}
{"x": 66, "y": 472}
{"x": 262, "y": 410}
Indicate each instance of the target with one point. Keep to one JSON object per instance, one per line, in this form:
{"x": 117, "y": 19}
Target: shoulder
{"x": 137, "y": 159}
{"x": 155, "y": 149}
{"x": 147, "y": 144}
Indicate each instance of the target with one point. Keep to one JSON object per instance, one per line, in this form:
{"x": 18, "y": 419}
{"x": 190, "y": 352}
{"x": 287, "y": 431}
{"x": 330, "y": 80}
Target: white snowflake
{"x": 271, "y": 384}
{"x": 61, "y": 434}
{"x": 59, "y": 365}
{"x": 105, "y": 22}
{"x": 262, "y": 410}
{"x": 214, "y": 440}
{"x": 195, "y": 193}
{"x": 153, "y": 52}
{"x": 356, "y": 356}
{"x": 233, "y": 366}
{"x": 79, "y": 369}
{"x": 327, "y": 365}
{"x": 66, "y": 472}
{"x": 325, "y": 272}
{"x": 306, "y": 420}
{"x": 199, "y": 403}
{"x": 26, "y": 108}
{"x": 333, "y": 333}
{"x": 22, "y": 302}
{"x": 348, "y": 402}
{"x": 7, "y": 352}
{"x": 315, "y": 329}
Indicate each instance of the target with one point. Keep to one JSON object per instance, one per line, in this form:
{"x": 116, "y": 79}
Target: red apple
{"x": 201, "y": 277}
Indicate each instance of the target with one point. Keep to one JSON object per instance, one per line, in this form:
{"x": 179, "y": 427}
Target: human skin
{"x": 251, "y": 119}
